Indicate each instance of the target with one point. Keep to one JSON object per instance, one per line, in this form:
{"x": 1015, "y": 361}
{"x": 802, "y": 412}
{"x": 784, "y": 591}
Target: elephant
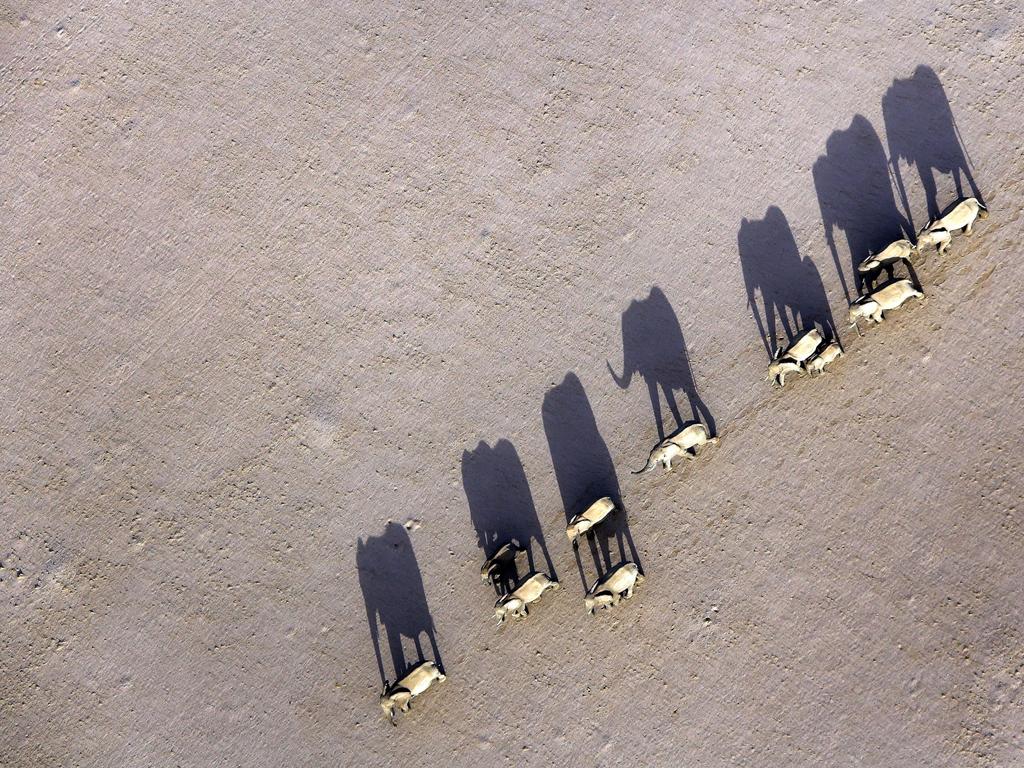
{"x": 922, "y": 132}
{"x": 395, "y": 600}
{"x": 855, "y": 195}
{"x": 502, "y": 510}
{"x": 789, "y": 284}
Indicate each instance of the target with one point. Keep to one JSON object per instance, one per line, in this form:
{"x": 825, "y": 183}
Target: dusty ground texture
{"x": 273, "y": 273}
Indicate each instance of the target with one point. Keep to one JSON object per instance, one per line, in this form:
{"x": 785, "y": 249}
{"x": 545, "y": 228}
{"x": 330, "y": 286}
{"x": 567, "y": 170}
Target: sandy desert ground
{"x": 279, "y": 278}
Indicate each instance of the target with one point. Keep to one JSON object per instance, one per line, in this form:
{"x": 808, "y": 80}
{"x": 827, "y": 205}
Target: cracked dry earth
{"x": 277, "y": 274}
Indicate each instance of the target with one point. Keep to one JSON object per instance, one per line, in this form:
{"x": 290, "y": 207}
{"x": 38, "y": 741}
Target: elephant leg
{"x": 673, "y": 406}
{"x": 595, "y": 551}
{"x": 761, "y": 329}
{"x": 652, "y": 391}
{"x": 579, "y": 566}
{"x": 931, "y": 191}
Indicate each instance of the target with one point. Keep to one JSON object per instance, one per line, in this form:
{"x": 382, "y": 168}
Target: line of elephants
{"x": 863, "y": 197}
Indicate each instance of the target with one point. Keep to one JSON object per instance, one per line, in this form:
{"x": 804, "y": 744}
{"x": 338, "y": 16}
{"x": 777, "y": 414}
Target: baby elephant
{"x": 590, "y": 517}
{"x": 616, "y": 585}
{"x": 499, "y": 561}
{"x": 686, "y": 442}
{"x": 889, "y": 296}
{"x": 830, "y": 353}
{"x": 778, "y": 370}
{"x": 789, "y": 361}
{"x": 415, "y": 682}
{"x": 939, "y": 237}
{"x": 529, "y": 591}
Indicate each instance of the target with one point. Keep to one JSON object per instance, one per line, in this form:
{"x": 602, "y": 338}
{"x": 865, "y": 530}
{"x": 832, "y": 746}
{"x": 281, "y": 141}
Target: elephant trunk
{"x": 621, "y": 381}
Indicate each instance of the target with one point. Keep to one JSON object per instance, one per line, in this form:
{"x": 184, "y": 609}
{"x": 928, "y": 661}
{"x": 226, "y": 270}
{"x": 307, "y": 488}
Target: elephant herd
{"x": 492, "y": 477}
{"x": 809, "y": 352}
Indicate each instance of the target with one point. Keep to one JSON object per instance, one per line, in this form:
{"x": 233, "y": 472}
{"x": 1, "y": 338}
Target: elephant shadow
{"x": 585, "y": 472}
{"x": 922, "y": 133}
{"x": 502, "y": 509}
{"x": 793, "y": 297}
{"x": 653, "y": 347}
{"x": 392, "y": 587}
{"x": 855, "y": 195}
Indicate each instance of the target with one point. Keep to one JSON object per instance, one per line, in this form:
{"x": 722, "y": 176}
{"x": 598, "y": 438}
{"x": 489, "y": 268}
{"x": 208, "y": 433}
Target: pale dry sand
{"x": 271, "y": 269}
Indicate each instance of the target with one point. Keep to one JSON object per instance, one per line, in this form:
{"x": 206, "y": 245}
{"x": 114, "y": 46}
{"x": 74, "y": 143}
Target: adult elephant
{"x": 395, "y": 599}
{"x": 922, "y": 133}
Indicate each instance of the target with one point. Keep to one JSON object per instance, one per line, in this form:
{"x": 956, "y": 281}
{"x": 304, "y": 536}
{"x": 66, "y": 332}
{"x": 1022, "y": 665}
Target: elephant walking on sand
{"x": 396, "y": 603}
{"x": 792, "y": 295}
{"x": 922, "y": 134}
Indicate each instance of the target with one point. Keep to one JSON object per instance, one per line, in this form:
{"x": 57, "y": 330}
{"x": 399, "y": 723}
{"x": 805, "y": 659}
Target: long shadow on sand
{"x": 792, "y": 295}
{"x": 395, "y": 601}
{"x": 502, "y": 509}
{"x": 653, "y": 347}
{"x": 585, "y": 473}
{"x": 855, "y": 195}
{"x": 922, "y": 132}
